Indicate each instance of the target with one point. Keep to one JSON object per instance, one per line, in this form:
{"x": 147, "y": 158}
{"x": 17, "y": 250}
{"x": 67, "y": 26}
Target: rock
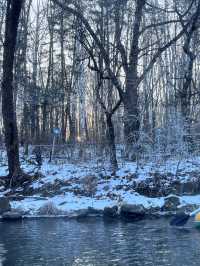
{"x": 94, "y": 212}
{"x": 89, "y": 212}
{"x": 11, "y": 216}
{"x": 132, "y": 212}
{"x": 82, "y": 213}
{"x": 110, "y": 212}
{"x": 171, "y": 203}
{"x": 4, "y": 205}
{"x": 153, "y": 212}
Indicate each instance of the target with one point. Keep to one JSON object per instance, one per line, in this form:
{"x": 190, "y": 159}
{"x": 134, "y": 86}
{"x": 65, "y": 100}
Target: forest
{"x": 99, "y": 122}
{"x": 113, "y": 74}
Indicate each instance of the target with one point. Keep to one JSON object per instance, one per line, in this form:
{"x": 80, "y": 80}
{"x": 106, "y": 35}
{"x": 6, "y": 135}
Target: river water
{"x": 58, "y": 242}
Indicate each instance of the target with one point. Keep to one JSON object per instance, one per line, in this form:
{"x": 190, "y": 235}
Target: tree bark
{"x": 130, "y": 100}
{"x": 111, "y": 142}
{"x": 185, "y": 94}
{"x": 8, "y": 106}
{"x": 131, "y": 112}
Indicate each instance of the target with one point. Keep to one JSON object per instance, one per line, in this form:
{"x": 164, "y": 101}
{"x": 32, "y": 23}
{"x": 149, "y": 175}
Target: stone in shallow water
{"x": 11, "y": 216}
{"x": 132, "y": 212}
{"x": 110, "y": 212}
{"x": 4, "y": 205}
{"x": 85, "y": 213}
{"x": 82, "y": 213}
{"x": 94, "y": 212}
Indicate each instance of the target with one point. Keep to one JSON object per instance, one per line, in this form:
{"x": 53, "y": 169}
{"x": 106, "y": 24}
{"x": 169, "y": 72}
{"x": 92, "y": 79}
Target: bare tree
{"x": 8, "y": 105}
{"x": 130, "y": 61}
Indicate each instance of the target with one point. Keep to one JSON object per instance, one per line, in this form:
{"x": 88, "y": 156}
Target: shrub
{"x": 49, "y": 208}
{"x": 89, "y": 185}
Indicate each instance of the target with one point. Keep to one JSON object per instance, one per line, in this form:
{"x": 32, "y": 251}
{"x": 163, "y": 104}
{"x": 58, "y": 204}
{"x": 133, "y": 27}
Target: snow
{"x": 185, "y": 200}
{"x": 70, "y": 203}
{"x": 3, "y": 170}
{"x": 143, "y": 200}
{"x": 53, "y": 172}
{"x": 67, "y": 203}
{"x": 28, "y": 205}
{"x": 110, "y": 191}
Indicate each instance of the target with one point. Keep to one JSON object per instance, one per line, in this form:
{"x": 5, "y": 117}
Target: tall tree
{"x": 8, "y": 107}
{"x": 188, "y": 47}
{"x": 130, "y": 60}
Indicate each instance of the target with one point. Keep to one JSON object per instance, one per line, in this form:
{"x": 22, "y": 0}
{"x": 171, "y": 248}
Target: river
{"x": 58, "y": 242}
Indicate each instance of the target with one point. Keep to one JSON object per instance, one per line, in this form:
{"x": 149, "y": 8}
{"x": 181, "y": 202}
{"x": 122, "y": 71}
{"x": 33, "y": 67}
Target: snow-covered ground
{"x": 70, "y": 181}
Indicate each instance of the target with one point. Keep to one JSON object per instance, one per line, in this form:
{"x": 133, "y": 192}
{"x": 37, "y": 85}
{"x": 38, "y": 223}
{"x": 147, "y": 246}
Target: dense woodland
{"x": 107, "y": 72}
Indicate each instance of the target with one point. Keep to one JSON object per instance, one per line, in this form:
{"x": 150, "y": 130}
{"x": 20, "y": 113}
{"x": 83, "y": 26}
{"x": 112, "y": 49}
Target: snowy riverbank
{"x": 65, "y": 188}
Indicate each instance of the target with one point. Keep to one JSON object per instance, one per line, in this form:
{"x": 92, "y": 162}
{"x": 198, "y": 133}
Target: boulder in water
{"x": 110, "y": 212}
{"x": 4, "y": 205}
{"x": 132, "y": 212}
{"x": 11, "y": 216}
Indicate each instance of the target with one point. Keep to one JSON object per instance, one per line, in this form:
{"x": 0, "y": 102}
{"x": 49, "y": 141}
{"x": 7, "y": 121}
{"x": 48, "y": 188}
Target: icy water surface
{"x": 57, "y": 242}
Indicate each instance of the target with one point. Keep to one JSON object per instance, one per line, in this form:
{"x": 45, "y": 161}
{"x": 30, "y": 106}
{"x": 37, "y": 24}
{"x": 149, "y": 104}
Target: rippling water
{"x": 57, "y": 242}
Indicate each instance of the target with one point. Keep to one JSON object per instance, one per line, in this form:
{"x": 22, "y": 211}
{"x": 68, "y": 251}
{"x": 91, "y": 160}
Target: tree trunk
{"x": 131, "y": 113}
{"x": 37, "y": 130}
{"x": 26, "y": 135}
{"x": 72, "y": 128}
{"x": 44, "y": 121}
{"x": 111, "y": 142}
{"x": 8, "y": 106}
{"x": 33, "y": 121}
{"x": 63, "y": 121}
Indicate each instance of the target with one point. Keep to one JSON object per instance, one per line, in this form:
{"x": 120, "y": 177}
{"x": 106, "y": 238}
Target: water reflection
{"x": 96, "y": 243}
{"x": 2, "y": 254}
